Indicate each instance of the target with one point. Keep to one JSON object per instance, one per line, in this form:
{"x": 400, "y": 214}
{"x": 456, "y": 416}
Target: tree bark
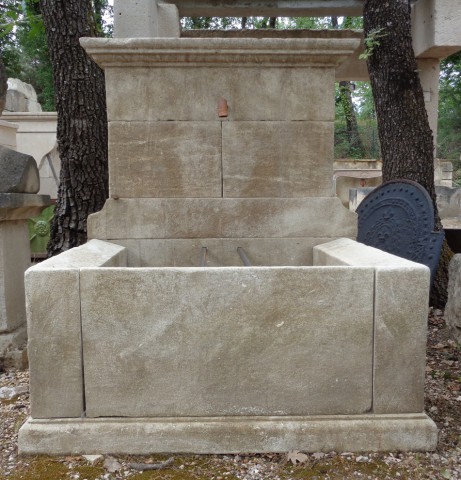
{"x": 3, "y": 86}
{"x": 403, "y": 126}
{"x": 82, "y": 123}
{"x": 356, "y": 148}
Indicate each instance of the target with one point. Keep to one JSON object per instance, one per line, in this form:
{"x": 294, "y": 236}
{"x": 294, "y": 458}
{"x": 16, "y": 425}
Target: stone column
{"x": 19, "y": 181}
{"x": 145, "y": 19}
{"x": 429, "y": 71}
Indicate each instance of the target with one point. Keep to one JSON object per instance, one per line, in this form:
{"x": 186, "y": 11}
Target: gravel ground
{"x": 443, "y": 404}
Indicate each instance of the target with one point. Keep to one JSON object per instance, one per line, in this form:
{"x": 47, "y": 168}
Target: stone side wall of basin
{"x": 290, "y": 349}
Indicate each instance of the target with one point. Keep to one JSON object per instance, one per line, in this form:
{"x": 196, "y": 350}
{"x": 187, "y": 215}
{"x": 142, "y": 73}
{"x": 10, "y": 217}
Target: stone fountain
{"x": 222, "y": 304}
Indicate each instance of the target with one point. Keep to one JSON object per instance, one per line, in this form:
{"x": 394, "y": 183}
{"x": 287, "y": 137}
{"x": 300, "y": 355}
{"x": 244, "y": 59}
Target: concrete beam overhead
{"x": 281, "y": 8}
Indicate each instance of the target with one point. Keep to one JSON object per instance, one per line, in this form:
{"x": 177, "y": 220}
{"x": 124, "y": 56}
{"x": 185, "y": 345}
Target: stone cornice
{"x": 29, "y": 116}
{"x": 219, "y": 52}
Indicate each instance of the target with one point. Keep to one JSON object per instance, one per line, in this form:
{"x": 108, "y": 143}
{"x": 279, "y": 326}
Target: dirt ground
{"x": 443, "y": 404}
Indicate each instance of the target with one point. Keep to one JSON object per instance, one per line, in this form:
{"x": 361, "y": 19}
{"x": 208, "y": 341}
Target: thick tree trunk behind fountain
{"x": 404, "y": 132}
{"x": 82, "y": 125}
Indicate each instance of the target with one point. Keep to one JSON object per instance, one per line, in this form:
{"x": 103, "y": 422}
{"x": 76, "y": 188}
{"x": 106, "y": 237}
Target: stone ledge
{"x": 212, "y": 52}
{"x": 94, "y": 253}
{"x": 140, "y": 218}
{"x": 20, "y": 206}
{"x": 205, "y": 435}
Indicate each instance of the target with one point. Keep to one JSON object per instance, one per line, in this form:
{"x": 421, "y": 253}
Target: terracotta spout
{"x": 223, "y": 109}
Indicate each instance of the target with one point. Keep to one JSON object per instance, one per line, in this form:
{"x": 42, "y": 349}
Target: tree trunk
{"x": 403, "y": 126}
{"x": 3, "y": 86}
{"x": 82, "y": 124}
{"x": 356, "y": 149}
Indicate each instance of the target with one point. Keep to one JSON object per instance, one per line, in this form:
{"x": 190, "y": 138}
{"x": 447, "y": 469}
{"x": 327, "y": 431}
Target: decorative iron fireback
{"x": 398, "y": 217}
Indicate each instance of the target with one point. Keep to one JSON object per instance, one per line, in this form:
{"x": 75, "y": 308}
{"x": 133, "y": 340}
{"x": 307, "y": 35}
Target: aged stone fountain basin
{"x": 227, "y": 359}
{"x": 319, "y": 345}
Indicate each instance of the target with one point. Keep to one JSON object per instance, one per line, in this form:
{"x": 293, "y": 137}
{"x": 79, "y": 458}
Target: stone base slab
{"x": 206, "y": 435}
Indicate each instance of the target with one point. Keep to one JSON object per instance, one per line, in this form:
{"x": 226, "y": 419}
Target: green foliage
{"x": 35, "y": 61}
{"x": 310, "y": 23}
{"x": 227, "y": 23}
{"x": 367, "y": 125}
{"x": 371, "y": 42}
{"x": 449, "y": 129}
{"x": 210, "y": 23}
{"x": 319, "y": 23}
{"x": 368, "y": 133}
{"x": 9, "y": 12}
{"x": 363, "y": 100}
{"x": 352, "y": 23}
{"x": 103, "y": 11}
{"x": 24, "y": 47}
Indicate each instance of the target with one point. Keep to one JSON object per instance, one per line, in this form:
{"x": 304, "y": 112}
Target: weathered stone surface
{"x": 193, "y": 52}
{"x": 54, "y": 347}
{"x": 356, "y": 195}
{"x": 429, "y": 75}
{"x": 94, "y": 253}
{"x": 435, "y": 29}
{"x": 34, "y": 134}
{"x": 165, "y": 159}
{"x": 145, "y": 19}
{"x": 401, "y": 300}
{"x": 443, "y": 173}
{"x": 54, "y": 328}
{"x": 453, "y": 306}
{"x": 229, "y": 435}
{"x": 8, "y": 134}
{"x": 20, "y": 206}
{"x": 21, "y": 97}
{"x": 277, "y": 159}
{"x": 18, "y": 172}
{"x": 192, "y": 94}
{"x": 448, "y": 202}
{"x": 301, "y": 346}
{"x": 14, "y": 260}
{"x": 221, "y": 252}
{"x": 168, "y": 21}
{"x": 240, "y": 8}
{"x": 15, "y": 101}
{"x": 222, "y": 218}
